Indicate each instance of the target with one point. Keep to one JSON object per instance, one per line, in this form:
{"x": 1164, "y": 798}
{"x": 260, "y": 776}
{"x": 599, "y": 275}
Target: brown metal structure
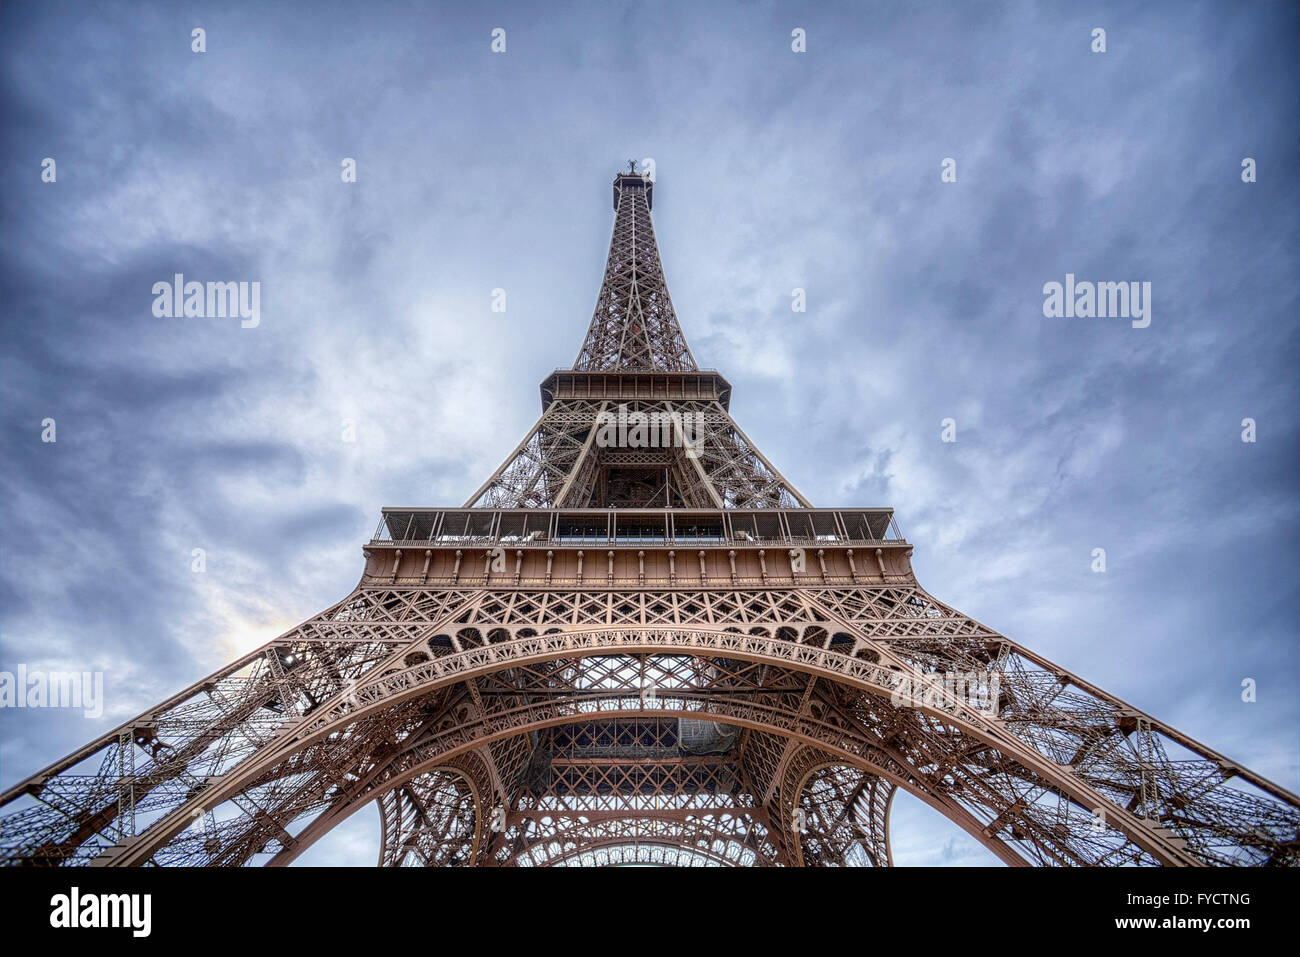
{"x": 638, "y": 643}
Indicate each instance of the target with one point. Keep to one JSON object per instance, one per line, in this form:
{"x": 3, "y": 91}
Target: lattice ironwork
{"x": 634, "y": 326}
{"x": 642, "y": 655}
{"x": 561, "y": 463}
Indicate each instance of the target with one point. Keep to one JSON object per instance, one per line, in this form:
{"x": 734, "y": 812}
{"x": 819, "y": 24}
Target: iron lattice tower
{"x": 622, "y": 650}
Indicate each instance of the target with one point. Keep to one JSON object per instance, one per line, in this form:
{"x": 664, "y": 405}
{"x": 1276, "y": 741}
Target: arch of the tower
{"x": 721, "y": 840}
{"x": 794, "y": 697}
{"x": 640, "y": 853}
{"x": 808, "y": 697}
{"x": 838, "y": 817}
{"x": 434, "y": 820}
{"x": 841, "y": 813}
{"x": 693, "y": 810}
{"x": 642, "y": 810}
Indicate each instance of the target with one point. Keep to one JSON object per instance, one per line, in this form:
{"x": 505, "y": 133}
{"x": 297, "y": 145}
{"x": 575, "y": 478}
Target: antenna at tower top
{"x": 631, "y": 166}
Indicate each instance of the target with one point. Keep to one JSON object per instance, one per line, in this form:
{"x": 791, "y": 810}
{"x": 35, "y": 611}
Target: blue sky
{"x": 776, "y": 170}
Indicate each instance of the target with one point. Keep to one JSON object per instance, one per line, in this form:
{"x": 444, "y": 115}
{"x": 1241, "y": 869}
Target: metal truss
{"x": 634, "y": 326}
{"x": 843, "y": 815}
{"x": 809, "y": 673}
{"x": 724, "y": 840}
{"x": 560, "y": 463}
{"x": 642, "y": 654}
{"x": 432, "y": 820}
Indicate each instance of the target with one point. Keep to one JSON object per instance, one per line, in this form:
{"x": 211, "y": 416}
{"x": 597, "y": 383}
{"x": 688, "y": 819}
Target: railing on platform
{"x": 516, "y": 527}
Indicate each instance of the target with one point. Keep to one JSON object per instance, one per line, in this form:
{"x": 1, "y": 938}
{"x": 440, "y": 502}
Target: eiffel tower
{"x": 638, "y": 643}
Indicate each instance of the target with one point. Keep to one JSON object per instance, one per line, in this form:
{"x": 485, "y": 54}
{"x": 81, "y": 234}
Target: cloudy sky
{"x": 817, "y": 170}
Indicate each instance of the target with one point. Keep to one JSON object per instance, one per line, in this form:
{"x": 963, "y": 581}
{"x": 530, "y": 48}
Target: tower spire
{"x": 634, "y": 327}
